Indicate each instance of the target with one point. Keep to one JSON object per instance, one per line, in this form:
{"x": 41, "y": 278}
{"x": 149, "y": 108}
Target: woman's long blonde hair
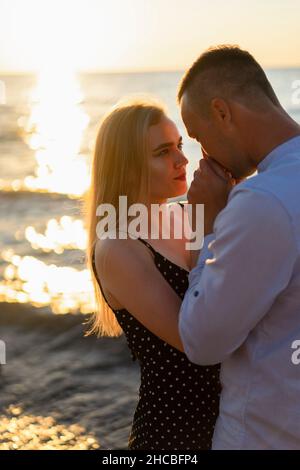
{"x": 120, "y": 167}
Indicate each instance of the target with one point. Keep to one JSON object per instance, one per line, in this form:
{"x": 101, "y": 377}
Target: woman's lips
{"x": 181, "y": 177}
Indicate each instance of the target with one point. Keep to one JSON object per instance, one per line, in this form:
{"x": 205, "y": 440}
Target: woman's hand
{"x": 211, "y": 186}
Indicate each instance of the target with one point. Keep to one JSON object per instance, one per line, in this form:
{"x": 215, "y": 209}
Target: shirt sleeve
{"x": 253, "y": 254}
{"x": 205, "y": 254}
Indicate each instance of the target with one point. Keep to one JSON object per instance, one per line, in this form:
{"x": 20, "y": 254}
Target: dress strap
{"x": 147, "y": 245}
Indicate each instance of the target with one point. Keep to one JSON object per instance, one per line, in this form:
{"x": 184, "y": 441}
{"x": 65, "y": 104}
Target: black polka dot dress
{"x": 178, "y": 400}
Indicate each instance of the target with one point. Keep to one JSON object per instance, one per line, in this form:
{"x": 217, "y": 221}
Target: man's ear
{"x": 221, "y": 111}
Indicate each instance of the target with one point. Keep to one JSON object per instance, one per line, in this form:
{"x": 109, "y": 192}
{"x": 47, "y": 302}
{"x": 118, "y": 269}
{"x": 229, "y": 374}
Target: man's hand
{"x": 211, "y": 186}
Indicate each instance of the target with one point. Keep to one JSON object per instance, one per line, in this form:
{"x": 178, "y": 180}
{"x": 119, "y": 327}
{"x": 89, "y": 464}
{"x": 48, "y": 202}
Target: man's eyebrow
{"x": 166, "y": 144}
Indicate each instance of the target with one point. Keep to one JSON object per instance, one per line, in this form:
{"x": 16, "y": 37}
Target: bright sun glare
{"x": 55, "y": 132}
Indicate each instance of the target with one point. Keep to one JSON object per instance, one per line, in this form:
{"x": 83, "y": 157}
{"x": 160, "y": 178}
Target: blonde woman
{"x": 140, "y": 282}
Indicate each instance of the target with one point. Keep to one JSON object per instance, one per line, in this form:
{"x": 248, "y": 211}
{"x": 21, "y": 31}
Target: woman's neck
{"x": 155, "y": 220}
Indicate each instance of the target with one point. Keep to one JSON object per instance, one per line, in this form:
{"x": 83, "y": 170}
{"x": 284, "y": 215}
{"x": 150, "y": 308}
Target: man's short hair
{"x": 226, "y": 71}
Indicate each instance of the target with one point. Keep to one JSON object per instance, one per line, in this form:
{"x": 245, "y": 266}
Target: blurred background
{"x": 62, "y": 65}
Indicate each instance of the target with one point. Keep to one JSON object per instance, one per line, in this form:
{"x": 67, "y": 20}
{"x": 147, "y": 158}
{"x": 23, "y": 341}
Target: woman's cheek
{"x": 159, "y": 169}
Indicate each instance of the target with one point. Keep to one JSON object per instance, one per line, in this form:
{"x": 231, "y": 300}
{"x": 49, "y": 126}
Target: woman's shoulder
{"x": 116, "y": 250}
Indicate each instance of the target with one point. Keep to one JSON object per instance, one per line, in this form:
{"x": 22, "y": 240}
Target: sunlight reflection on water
{"x": 54, "y": 131}
{"x": 64, "y": 289}
{"x": 20, "y": 431}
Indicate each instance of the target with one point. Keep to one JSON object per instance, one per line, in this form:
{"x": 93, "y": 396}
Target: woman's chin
{"x": 181, "y": 189}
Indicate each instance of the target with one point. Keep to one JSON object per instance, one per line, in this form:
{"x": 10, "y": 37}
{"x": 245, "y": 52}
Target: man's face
{"x": 216, "y": 141}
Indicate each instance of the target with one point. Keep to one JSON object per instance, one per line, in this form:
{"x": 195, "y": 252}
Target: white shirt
{"x": 242, "y": 307}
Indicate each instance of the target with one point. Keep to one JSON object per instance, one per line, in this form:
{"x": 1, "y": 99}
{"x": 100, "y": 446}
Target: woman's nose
{"x": 180, "y": 159}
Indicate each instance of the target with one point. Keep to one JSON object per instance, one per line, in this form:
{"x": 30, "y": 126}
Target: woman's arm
{"x": 127, "y": 271}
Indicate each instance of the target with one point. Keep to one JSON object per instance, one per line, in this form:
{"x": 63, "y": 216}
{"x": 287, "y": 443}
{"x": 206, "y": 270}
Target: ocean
{"x": 59, "y": 389}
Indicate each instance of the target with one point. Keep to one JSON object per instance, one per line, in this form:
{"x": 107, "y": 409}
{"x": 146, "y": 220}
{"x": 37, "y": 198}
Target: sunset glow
{"x": 143, "y": 35}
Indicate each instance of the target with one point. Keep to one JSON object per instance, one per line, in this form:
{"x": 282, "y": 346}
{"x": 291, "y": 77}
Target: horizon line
{"x": 100, "y": 71}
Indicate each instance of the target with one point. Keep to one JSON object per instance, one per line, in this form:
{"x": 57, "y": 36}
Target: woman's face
{"x": 167, "y": 162}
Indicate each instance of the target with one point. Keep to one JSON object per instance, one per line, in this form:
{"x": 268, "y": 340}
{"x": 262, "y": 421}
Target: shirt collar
{"x": 287, "y": 147}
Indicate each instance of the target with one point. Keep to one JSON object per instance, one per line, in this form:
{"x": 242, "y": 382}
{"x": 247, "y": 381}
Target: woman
{"x": 140, "y": 283}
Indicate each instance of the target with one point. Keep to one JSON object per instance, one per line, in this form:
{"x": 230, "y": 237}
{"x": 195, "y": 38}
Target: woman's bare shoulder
{"x": 120, "y": 250}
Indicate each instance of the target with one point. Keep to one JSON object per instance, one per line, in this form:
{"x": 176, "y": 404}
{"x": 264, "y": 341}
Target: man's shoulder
{"x": 251, "y": 188}
{"x": 259, "y": 181}
{"x": 252, "y": 202}
{"x": 280, "y": 188}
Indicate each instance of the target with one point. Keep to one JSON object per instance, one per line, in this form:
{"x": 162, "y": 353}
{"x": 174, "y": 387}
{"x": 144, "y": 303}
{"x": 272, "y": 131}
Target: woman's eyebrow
{"x": 167, "y": 144}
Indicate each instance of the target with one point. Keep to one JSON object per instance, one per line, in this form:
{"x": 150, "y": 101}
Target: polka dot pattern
{"x": 178, "y": 400}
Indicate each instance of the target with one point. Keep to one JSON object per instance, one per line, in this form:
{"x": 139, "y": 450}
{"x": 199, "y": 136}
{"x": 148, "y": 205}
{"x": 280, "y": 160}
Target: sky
{"x": 133, "y": 35}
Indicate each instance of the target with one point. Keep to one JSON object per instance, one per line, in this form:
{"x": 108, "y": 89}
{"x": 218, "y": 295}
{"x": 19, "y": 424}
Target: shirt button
{"x": 196, "y": 293}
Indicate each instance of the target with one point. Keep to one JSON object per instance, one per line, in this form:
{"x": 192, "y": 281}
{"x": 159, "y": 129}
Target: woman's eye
{"x": 163, "y": 152}
{"x": 166, "y": 151}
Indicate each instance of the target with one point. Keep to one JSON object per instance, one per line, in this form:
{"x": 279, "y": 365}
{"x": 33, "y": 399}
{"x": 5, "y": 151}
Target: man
{"x": 242, "y": 307}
